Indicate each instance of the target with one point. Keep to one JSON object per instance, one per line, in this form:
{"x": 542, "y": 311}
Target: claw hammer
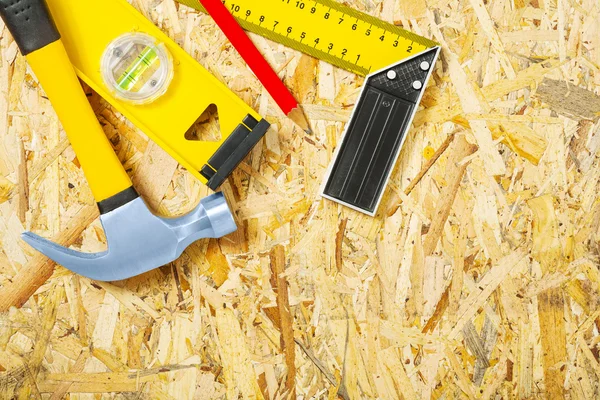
{"x": 138, "y": 241}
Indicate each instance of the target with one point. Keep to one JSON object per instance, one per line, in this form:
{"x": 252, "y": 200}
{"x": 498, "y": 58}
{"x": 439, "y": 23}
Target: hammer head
{"x": 139, "y": 241}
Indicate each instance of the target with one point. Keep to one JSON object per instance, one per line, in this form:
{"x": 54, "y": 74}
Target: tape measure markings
{"x": 327, "y": 30}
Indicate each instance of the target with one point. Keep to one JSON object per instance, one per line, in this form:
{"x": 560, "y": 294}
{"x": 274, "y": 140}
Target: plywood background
{"x": 477, "y": 279}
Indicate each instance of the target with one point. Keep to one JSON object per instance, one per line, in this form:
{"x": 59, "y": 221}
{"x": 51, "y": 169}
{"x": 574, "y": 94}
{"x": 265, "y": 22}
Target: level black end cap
{"x": 236, "y": 157}
{"x": 207, "y": 172}
{"x": 250, "y": 121}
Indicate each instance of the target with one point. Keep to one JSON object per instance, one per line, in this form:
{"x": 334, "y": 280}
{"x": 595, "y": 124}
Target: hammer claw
{"x": 53, "y": 250}
{"x": 139, "y": 241}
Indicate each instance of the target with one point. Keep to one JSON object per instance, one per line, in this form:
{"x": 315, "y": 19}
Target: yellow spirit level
{"x": 170, "y": 96}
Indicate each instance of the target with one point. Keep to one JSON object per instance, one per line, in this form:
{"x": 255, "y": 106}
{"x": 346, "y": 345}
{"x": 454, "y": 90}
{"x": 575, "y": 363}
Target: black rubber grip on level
{"x": 233, "y": 150}
{"x": 118, "y": 200}
{"x": 30, "y": 23}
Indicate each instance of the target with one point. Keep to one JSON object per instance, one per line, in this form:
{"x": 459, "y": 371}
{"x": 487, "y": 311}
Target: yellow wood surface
{"x": 478, "y": 278}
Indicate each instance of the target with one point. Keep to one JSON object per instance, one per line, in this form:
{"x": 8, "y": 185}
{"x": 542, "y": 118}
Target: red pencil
{"x": 256, "y": 62}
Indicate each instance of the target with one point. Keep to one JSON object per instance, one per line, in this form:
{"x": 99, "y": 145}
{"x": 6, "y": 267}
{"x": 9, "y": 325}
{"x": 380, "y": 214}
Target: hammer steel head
{"x": 139, "y": 241}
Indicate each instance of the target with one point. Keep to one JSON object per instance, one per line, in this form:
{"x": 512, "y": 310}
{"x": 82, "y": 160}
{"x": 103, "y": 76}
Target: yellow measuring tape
{"x": 327, "y": 30}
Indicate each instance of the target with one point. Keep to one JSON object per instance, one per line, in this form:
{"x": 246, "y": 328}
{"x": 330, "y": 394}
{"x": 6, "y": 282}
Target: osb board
{"x": 477, "y": 279}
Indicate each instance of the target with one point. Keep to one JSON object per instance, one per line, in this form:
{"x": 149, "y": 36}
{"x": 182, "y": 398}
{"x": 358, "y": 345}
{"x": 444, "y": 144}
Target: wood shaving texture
{"x": 478, "y": 278}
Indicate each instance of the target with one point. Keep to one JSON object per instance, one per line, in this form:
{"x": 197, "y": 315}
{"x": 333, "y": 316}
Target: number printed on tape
{"x": 327, "y": 30}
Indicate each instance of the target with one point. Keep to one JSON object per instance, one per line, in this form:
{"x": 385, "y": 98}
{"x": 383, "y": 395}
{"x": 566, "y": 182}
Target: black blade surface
{"x": 376, "y": 132}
